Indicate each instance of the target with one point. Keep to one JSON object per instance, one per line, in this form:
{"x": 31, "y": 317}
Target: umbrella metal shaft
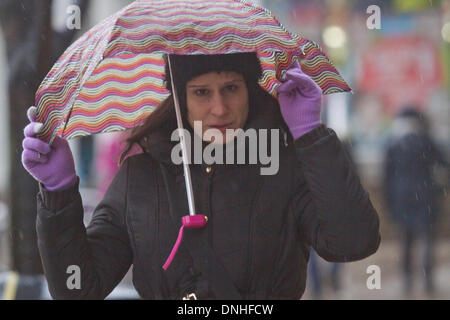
{"x": 187, "y": 171}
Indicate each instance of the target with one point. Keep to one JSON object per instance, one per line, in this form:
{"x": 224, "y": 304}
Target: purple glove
{"x": 53, "y": 166}
{"x": 300, "y": 100}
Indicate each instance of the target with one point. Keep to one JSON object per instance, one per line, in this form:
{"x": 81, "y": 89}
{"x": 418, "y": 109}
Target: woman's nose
{"x": 218, "y": 107}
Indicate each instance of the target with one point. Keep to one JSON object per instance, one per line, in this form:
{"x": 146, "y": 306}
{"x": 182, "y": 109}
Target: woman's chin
{"x": 217, "y": 140}
{"x": 222, "y": 138}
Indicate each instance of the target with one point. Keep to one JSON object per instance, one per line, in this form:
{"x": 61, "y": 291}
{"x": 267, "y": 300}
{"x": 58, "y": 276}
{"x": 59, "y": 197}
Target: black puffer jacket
{"x": 260, "y": 226}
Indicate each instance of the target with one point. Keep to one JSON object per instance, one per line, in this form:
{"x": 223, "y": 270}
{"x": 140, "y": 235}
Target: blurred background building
{"x": 393, "y": 53}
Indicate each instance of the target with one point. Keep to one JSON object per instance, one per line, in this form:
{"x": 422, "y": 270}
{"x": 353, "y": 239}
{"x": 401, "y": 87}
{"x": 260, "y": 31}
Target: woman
{"x": 256, "y": 242}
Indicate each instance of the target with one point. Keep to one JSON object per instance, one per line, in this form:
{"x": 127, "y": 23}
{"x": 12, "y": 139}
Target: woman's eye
{"x": 201, "y": 92}
{"x": 232, "y": 87}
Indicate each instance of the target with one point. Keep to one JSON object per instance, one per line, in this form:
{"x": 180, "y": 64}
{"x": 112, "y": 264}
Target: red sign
{"x": 401, "y": 70}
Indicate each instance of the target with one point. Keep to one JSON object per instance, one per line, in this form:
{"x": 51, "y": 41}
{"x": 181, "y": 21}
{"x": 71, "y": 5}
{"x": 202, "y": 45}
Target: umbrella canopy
{"x": 112, "y": 77}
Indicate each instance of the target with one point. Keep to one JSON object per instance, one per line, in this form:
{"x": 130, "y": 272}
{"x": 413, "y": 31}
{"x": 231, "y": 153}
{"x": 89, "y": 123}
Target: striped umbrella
{"x": 111, "y": 78}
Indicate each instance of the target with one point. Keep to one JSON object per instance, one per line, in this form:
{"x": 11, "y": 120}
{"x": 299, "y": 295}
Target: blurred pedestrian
{"x": 411, "y": 193}
{"x": 318, "y": 276}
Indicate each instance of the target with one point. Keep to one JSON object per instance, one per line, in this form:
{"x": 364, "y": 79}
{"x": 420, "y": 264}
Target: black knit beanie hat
{"x": 187, "y": 67}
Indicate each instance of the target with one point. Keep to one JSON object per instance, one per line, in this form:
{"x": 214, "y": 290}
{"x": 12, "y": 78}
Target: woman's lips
{"x": 221, "y": 127}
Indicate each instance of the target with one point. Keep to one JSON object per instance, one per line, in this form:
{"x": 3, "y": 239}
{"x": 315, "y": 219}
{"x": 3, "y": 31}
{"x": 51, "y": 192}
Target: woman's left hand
{"x": 300, "y": 100}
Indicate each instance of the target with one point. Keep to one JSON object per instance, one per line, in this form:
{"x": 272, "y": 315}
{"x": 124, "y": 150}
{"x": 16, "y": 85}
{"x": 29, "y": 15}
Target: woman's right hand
{"x": 53, "y": 166}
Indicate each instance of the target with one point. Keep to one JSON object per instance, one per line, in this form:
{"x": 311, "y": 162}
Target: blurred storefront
{"x": 405, "y": 61}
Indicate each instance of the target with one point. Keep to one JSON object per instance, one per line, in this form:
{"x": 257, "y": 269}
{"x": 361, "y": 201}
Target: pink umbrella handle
{"x": 174, "y": 249}
{"x": 190, "y": 222}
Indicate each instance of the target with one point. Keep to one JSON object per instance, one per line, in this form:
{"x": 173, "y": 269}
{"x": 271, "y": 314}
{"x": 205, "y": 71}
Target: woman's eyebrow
{"x": 197, "y": 85}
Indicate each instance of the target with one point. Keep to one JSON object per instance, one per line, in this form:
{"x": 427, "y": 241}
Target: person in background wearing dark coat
{"x": 259, "y": 228}
{"x": 411, "y": 193}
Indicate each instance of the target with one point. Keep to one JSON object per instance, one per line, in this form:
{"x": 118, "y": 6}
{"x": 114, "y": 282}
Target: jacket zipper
{"x": 253, "y": 214}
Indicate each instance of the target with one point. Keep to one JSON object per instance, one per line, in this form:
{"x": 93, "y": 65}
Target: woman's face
{"x": 219, "y": 100}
